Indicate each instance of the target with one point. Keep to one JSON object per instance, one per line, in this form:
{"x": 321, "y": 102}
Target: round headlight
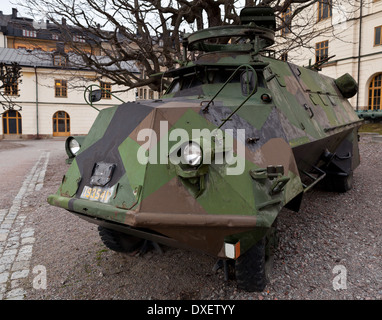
{"x": 192, "y": 154}
{"x": 74, "y": 146}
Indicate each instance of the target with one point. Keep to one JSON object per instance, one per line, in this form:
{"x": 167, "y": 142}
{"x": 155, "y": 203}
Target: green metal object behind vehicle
{"x": 237, "y": 137}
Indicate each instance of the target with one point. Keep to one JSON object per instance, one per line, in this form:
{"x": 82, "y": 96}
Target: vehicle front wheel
{"x": 118, "y": 241}
{"x": 254, "y": 267}
{"x": 250, "y": 268}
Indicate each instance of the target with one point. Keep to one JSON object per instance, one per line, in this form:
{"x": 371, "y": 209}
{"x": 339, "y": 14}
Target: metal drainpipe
{"x": 37, "y": 131}
{"x": 359, "y": 50}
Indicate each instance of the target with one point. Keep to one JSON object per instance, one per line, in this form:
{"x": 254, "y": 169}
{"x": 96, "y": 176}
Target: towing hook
{"x": 327, "y": 156}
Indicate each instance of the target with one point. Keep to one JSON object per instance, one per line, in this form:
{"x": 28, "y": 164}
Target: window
{"x": 324, "y": 9}
{"x": 322, "y": 49}
{"x": 61, "y": 88}
{"x": 11, "y": 89}
{"x": 77, "y": 38}
{"x": 61, "y": 124}
{"x": 106, "y": 90}
{"x": 143, "y": 94}
{"x": 54, "y": 36}
{"x": 284, "y": 56}
{"x": 106, "y": 86}
{"x": 59, "y": 60}
{"x": 29, "y": 33}
{"x": 12, "y": 122}
{"x": 375, "y": 89}
{"x": 378, "y": 36}
{"x": 286, "y": 21}
{"x": 143, "y": 74}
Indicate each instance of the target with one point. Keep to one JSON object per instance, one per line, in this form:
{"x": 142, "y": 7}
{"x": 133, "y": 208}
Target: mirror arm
{"x": 90, "y": 103}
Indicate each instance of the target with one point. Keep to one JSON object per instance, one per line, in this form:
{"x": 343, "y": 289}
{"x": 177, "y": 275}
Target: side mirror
{"x": 95, "y": 95}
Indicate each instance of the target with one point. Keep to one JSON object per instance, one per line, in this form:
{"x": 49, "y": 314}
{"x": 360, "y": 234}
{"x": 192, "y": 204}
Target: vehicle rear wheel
{"x": 118, "y": 241}
{"x": 339, "y": 183}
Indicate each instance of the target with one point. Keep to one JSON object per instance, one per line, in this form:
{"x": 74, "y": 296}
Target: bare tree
{"x": 150, "y": 32}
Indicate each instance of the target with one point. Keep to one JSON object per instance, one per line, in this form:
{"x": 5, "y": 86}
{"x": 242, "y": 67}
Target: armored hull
{"x": 236, "y": 137}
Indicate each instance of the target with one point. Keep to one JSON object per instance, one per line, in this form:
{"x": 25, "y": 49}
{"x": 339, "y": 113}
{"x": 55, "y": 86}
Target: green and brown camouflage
{"x": 292, "y": 128}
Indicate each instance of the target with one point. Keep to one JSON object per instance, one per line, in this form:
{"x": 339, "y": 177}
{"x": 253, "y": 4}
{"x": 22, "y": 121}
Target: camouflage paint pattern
{"x": 303, "y": 115}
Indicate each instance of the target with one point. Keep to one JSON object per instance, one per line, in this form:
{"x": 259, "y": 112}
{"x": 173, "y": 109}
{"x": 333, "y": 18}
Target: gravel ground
{"x": 330, "y": 230}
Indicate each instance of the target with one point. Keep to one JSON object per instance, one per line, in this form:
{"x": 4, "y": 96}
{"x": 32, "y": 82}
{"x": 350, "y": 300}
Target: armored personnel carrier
{"x": 237, "y": 136}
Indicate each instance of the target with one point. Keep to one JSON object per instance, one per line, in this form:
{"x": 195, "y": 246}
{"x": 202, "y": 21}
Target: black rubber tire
{"x": 254, "y": 267}
{"x": 250, "y": 268}
{"x": 343, "y": 184}
{"x": 118, "y": 241}
{"x": 338, "y": 183}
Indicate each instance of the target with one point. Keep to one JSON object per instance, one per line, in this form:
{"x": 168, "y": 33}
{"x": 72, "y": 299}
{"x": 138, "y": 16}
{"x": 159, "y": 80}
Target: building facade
{"x": 350, "y": 34}
{"x": 49, "y": 96}
{"x": 49, "y": 100}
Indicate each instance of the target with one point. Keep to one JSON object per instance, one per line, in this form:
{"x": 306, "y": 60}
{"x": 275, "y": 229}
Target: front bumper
{"x": 201, "y": 232}
{"x": 149, "y": 219}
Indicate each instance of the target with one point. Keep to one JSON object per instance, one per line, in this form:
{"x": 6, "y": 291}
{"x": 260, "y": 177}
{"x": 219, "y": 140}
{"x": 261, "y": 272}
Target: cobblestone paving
{"x": 16, "y": 240}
